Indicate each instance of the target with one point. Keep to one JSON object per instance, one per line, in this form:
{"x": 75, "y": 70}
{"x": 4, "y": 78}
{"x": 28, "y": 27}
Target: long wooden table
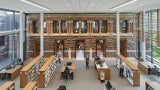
{"x": 13, "y": 72}
{"x": 71, "y": 71}
{"x": 104, "y": 69}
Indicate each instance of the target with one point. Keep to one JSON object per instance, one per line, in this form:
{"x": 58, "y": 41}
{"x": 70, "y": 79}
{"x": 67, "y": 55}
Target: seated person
{"x": 108, "y": 85}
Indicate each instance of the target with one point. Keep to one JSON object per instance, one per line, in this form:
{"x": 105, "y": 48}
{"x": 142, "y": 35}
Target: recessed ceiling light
{"x": 35, "y": 4}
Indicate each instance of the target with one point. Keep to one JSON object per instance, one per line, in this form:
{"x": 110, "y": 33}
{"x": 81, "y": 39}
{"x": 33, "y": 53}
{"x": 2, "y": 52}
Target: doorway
{"x": 100, "y": 48}
{"x": 79, "y": 49}
{"x": 59, "y": 47}
{"x": 36, "y": 49}
{"x": 123, "y": 47}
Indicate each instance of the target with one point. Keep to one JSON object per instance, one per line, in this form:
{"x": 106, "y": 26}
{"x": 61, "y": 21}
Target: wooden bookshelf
{"x": 8, "y": 86}
{"x": 29, "y": 72}
{"x": 46, "y": 71}
{"x": 31, "y": 86}
{"x": 134, "y": 76}
{"x": 14, "y": 72}
{"x": 145, "y": 66}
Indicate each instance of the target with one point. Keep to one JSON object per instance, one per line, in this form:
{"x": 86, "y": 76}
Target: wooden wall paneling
{"x": 123, "y": 48}
{"x": 31, "y": 26}
{"x": 80, "y": 27}
{"x": 92, "y": 26}
{"x": 68, "y": 25}
{"x": 132, "y": 25}
{"x": 71, "y": 26}
{"x": 59, "y": 26}
{"x": 88, "y": 31}
{"x": 51, "y": 27}
{"x": 107, "y": 26}
{"x": 111, "y": 30}
{"x": 48, "y": 26}
{"x": 130, "y": 31}
{"x": 128, "y": 27}
{"x": 100, "y": 25}
{"x": 89, "y": 26}
{"x": 108, "y": 31}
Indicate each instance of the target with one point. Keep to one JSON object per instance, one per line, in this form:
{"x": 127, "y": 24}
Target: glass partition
{"x": 9, "y": 20}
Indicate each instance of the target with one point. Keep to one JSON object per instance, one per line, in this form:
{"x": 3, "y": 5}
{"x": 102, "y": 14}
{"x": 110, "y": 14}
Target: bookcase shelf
{"x": 8, "y": 86}
{"x": 131, "y": 72}
{"x": 29, "y": 72}
{"x": 46, "y": 71}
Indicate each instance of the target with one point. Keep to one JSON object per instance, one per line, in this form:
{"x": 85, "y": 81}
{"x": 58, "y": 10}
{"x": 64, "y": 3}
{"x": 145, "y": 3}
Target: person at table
{"x": 87, "y": 62}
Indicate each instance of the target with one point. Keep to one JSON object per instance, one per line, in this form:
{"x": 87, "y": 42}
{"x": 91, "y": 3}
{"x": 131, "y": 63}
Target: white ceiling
{"x": 79, "y": 6}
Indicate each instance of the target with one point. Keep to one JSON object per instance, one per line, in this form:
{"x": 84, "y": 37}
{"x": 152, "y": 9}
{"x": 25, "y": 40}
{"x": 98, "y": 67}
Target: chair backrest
{"x": 66, "y": 73}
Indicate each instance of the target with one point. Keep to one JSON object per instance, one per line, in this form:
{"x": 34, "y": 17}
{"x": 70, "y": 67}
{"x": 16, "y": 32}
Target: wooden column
{"x": 80, "y": 27}
{"x": 48, "y": 26}
{"x": 87, "y": 26}
{"x": 111, "y": 26}
{"x": 31, "y": 27}
{"x": 132, "y": 27}
{"x": 89, "y": 30}
{"x": 67, "y": 26}
{"x": 100, "y": 25}
{"x": 59, "y": 26}
{"x": 91, "y": 25}
{"x": 51, "y": 28}
{"x": 108, "y": 27}
{"x": 71, "y": 27}
{"x": 127, "y": 26}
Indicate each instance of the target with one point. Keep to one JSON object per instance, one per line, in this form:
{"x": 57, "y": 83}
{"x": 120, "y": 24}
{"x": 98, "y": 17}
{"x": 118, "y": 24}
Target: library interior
{"x": 79, "y": 45}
